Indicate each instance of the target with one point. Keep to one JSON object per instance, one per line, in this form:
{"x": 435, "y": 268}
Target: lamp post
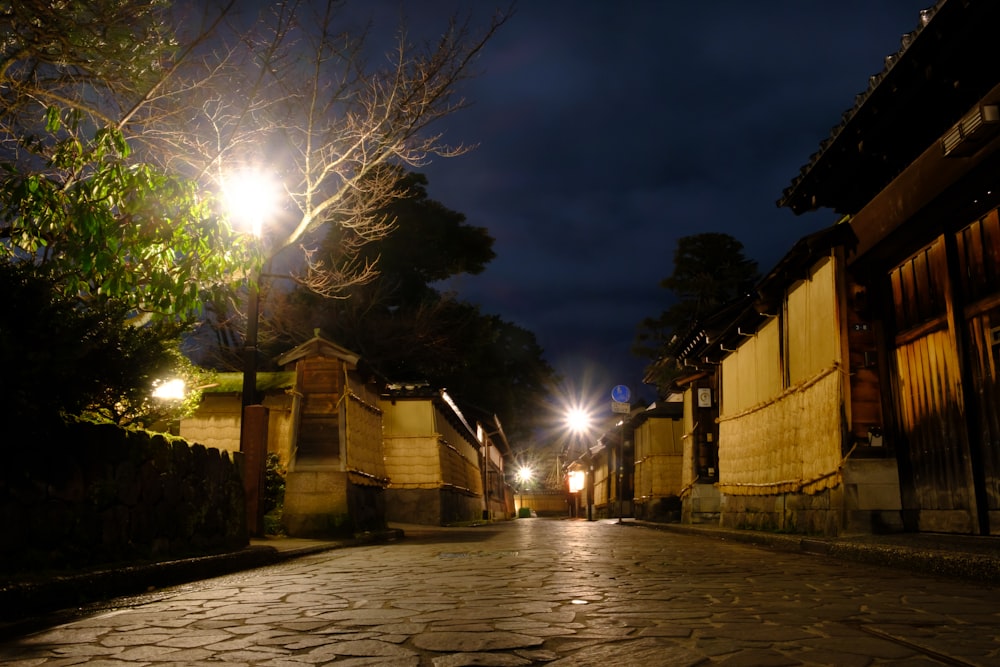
{"x": 524, "y": 476}
{"x": 250, "y": 198}
{"x": 578, "y": 421}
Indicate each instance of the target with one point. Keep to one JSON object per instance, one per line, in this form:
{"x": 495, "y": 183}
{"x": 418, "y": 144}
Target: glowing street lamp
{"x": 578, "y": 420}
{"x": 169, "y": 390}
{"x": 524, "y": 477}
{"x": 250, "y": 197}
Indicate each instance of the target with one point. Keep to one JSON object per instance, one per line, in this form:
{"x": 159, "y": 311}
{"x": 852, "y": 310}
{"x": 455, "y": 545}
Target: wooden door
{"x": 928, "y": 396}
{"x": 978, "y": 260}
{"x": 320, "y": 385}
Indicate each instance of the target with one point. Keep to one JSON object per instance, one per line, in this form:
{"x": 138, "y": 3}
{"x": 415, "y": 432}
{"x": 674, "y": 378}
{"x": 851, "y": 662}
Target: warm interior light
{"x": 576, "y": 480}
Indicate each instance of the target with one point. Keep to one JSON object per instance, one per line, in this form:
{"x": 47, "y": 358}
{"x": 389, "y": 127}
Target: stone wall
{"x": 93, "y": 494}
{"x": 432, "y": 507}
{"x": 810, "y": 514}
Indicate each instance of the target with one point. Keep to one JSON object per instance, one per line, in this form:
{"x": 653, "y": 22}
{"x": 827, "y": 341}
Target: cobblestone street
{"x": 539, "y": 591}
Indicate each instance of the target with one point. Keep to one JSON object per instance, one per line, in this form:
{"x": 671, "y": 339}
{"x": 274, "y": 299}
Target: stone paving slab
{"x": 541, "y": 592}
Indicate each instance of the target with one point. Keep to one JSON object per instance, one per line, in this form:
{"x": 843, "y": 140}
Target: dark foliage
{"x": 62, "y": 357}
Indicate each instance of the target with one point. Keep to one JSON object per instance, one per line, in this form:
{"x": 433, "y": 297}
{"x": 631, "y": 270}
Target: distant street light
{"x": 578, "y": 420}
{"x": 524, "y": 476}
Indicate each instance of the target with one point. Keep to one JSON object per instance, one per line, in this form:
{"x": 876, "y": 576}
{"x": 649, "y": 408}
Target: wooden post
{"x": 254, "y": 448}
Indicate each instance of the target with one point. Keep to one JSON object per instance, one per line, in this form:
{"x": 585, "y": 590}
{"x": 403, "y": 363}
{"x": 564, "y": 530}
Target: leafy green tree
{"x": 73, "y": 198}
{"x": 710, "y": 270}
{"x": 103, "y": 227}
{"x": 101, "y": 58}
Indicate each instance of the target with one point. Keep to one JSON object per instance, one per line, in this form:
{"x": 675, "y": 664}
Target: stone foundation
{"x": 432, "y": 507}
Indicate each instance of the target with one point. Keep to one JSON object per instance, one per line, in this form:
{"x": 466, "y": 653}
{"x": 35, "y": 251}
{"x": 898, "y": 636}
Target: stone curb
{"x": 949, "y": 563}
{"x": 19, "y": 600}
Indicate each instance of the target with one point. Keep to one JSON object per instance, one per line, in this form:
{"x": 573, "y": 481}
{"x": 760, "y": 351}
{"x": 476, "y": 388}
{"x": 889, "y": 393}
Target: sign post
{"x": 620, "y": 397}
{"x": 620, "y": 404}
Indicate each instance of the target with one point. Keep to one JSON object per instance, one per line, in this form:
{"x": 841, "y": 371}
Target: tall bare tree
{"x": 298, "y": 93}
{"x": 205, "y": 92}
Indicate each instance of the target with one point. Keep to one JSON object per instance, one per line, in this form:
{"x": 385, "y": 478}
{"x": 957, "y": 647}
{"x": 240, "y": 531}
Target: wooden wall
{"x": 780, "y": 423}
{"x": 944, "y": 356}
{"x": 659, "y": 458}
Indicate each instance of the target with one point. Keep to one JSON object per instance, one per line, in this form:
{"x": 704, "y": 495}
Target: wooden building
{"x": 796, "y": 450}
{"x": 495, "y": 453}
{"x": 913, "y": 169}
{"x": 432, "y": 458}
{"x": 658, "y": 470}
{"x": 336, "y": 471}
{"x": 325, "y": 425}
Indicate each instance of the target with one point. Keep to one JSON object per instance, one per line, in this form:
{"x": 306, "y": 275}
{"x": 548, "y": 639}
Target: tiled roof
{"x": 943, "y": 67}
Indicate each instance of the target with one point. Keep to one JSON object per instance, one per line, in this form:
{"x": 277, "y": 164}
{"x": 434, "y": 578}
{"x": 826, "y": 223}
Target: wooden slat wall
{"x": 659, "y": 458}
{"x": 364, "y": 434}
{"x": 929, "y": 400}
{"x": 459, "y": 456}
{"x": 789, "y": 444}
{"x": 775, "y": 438}
{"x": 985, "y": 348}
{"x": 753, "y": 373}
{"x": 412, "y": 461}
{"x": 748, "y": 361}
{"x": 979, "y": 271}
{"x": 320, "y": 381}
{"x": 769, "y": 378}
{"x": 812, "y": 337}
{"x": 927, "y": 383}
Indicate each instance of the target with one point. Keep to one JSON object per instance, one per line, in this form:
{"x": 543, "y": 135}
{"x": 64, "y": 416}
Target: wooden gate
{"x": 978, "y": 259}
{"x": 945, "y": 388}
{"x": 320, "y": 385}
{"x": 928, "y": 395}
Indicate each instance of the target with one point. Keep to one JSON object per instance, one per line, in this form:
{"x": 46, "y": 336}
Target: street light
{"x": 169, "y": 390}
{"x": 524, "y": 476}
{"x": 578, "y": 421}
{"x": 250, "y": 198}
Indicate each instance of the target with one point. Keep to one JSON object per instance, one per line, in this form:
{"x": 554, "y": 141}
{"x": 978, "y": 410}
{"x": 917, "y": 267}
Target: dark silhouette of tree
{"x": 710, "y": 270}
{"x": 63, "y": 358}
{"x": 409, "y": 331}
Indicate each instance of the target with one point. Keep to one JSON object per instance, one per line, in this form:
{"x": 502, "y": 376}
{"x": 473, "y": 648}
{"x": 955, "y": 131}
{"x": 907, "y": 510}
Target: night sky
{"x": 606, "y": 130}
